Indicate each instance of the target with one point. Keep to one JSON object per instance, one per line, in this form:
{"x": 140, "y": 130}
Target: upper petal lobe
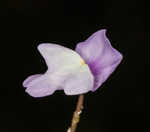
{"x": 101, "y": 57}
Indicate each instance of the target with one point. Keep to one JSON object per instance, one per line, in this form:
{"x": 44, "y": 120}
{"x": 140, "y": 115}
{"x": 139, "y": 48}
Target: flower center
{"x": 82, "y": 62}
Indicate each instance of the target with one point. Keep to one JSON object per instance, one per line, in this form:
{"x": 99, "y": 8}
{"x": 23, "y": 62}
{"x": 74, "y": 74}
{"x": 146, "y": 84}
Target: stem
{"x": 76, "y": 115}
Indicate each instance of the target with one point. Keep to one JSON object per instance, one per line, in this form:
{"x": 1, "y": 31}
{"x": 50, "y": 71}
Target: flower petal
{"x": 79, "y": 81}
{"x": 65, "y": 69}
{"x": 58, "y": 57}
{"x": 30, "y": 79}
{"x": 40, "y": 87}
{"x": 101, "y": 57}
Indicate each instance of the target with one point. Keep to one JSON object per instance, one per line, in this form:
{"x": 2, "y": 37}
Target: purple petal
{"x": 30, "y": 79}
{"x": 40, "y": 86}
{"x": 101, "y": 57}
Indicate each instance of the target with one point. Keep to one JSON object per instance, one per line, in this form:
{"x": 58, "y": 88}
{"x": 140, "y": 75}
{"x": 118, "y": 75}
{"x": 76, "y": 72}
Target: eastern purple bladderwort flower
{"x": 75, "y": 72}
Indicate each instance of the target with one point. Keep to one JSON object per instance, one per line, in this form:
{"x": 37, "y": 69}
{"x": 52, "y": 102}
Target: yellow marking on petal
{"x": 82, "y": 62}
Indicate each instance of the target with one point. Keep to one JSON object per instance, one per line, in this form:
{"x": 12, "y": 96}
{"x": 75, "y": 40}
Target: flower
{"x": 75, "y": 72}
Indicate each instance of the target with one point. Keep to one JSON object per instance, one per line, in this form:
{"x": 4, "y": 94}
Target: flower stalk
{"x": 76, "y": 115}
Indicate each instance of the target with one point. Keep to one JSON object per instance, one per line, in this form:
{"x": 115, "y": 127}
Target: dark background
{"x": 120, "y": 105}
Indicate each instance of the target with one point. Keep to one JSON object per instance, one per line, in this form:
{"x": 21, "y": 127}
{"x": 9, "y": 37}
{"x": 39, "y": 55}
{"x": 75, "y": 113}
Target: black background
{"x": 120, "y": 105}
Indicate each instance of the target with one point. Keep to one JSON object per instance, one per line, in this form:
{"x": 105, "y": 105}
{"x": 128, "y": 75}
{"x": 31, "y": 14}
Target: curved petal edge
{"x": 101, "y": 57}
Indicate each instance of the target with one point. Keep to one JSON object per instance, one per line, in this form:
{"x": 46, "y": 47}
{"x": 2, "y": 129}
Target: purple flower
{"x": 75, "y": 72}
